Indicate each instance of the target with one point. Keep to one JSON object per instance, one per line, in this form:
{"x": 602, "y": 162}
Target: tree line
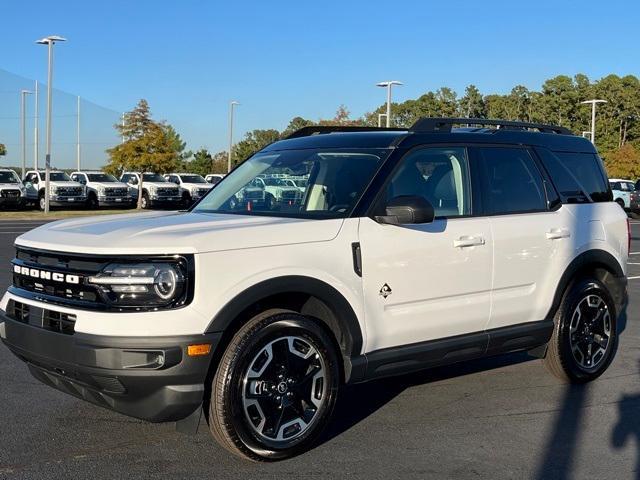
{"x": 156, "y": 146}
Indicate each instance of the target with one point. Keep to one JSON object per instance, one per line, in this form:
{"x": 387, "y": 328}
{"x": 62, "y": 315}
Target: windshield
{"x": 101, "y": 177}
{"x": 9, "y": 177}
{"x": 334, "y": 181}
{"x": 192, "y": 179}
{"x": 153, "y": 177}
{"x": 58, "y": 177}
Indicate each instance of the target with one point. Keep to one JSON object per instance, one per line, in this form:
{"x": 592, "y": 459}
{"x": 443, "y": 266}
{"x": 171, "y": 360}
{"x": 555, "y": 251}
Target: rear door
{"x": 531, "y": 233}
{"x": 427, "y": 281}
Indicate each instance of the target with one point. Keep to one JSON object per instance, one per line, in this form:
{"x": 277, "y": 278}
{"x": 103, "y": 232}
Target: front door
{"x": 428, "y": 281}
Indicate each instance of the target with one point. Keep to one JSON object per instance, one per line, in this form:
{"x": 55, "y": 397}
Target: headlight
{"x": 101, "y": 190}
{"x": 143, "y": 284}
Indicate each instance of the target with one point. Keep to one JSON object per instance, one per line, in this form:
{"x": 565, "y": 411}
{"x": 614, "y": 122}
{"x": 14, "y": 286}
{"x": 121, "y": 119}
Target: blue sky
{"x": 280, "y": 59}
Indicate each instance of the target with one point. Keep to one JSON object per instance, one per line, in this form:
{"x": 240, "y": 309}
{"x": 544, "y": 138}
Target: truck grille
{"x": 167, "y": 192}
{"x": 10, "y": 193}
{"x": 51, "y": 320}
{"x": 290, "y": 195}
{"x": 202, "y": 191}
{"x": 253, "y": 194}
{"x": 68, "y": 191}
{"x": 116, "y": 192}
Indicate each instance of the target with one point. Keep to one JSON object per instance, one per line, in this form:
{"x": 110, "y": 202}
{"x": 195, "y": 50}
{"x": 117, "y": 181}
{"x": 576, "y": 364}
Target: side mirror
{"x": 407, "y": 209}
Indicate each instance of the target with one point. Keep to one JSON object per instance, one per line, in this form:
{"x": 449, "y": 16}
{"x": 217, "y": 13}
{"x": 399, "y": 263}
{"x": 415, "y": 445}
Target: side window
{"x": 441, "y": 175}
{"x": 510, "y": 180}
{"x": 615, "y": 185}
{"x": 575, "y": 174}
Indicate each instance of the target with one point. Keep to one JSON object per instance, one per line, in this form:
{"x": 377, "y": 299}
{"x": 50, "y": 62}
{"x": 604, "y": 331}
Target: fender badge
{"x": 385, "y": 291}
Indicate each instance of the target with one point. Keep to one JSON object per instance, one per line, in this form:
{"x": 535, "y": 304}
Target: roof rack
{"x": 444, "y": 125}
{"x": 322, "y": 129}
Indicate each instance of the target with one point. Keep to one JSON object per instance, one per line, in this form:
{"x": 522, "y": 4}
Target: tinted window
{"x": 510, "y": 181}
{"x": 336, "y": 180}
{"x": 58, "y": 177}
{"x": 575, "y": 174}
{"x": 153, "y": 177}
{"x": 8, "y": 177}
{"x": 438, "y": 174}
{"x": 101, "y": 177}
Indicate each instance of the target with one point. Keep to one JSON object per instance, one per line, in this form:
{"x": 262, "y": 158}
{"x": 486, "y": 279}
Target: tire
{"x": 41, "y": 201}
{"x": 620, "y": 202}
{"x": 255, "y": 414}
{"x": 145, "y": 201}
{"x": 186, "y": 200}
{"x": 591, "y": 298}
{"x": 92, "y": 202}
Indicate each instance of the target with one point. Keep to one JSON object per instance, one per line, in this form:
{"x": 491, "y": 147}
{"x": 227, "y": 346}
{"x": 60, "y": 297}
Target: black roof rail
{"x": 322, "y": 129}
{"x": 444, "y": 125}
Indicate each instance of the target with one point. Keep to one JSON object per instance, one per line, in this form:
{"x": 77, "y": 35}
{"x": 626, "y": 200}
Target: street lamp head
{"x": 51, "y": 39}
{"x": 588, "y": 102}
{"x": 26, "y": 92}
{"x": 388, "y": 83}
{"x": 234, "y": 103}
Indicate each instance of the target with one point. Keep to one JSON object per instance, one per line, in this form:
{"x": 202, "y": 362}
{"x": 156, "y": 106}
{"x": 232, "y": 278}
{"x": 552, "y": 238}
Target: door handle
{"x": 556, "y": 233}
{"x": 468, "y": 241}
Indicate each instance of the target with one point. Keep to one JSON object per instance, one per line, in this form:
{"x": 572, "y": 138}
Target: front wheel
{"x": 275, "y": 387}
{"x": 585, "y": 338}
{"x": 144, "y": 203}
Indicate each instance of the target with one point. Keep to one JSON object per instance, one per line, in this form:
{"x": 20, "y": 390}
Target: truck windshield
{"x": 154, "y": 177}
{"x": 9, "y": 177}
{"x": 101, "y": 177}
{"x": 192, "y": 179}
{"x": 57, "y": 177}
{"x": 334, "y": 182}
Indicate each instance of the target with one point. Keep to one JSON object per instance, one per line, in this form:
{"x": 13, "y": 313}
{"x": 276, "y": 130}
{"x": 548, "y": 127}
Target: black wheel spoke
{"x": 590, "y": 330}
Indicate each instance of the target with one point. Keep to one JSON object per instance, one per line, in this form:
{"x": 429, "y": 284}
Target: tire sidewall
{"x": 266, "y": 330}
{"x": 573, "y": 297}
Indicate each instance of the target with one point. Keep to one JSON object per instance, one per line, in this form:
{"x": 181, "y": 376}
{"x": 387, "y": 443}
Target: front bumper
{"x": 115, "y": 200}
{"x": 106, "y": 371}
{"x": 57, "y": 201}
{"x": 12, "y": 201}
{"x": 164, "y": 201}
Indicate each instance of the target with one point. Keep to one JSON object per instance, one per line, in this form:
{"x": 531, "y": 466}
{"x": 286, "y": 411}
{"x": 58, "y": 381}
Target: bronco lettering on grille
{"x": 46, "y": 275}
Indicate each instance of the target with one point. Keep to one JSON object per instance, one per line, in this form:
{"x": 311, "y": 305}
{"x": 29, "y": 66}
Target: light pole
{"x": 50, "y": 42}
{"x": 23, "y": 127}
{"x": 78, "y": 136}
{"x": 593, "y": 116}
{"x": 388, "y": 84}
{"x": 231, "y": 107}
{"x": 36, "y": 140}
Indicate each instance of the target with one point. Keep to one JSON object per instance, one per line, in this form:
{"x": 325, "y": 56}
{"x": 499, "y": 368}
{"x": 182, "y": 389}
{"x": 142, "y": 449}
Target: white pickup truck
{"x": 192, "y": 186}
{"x": 12, "y": 192}
{"x": 104, "y": 189}
{"x": 156, "y": 190}
{"x": 62, "y": 190}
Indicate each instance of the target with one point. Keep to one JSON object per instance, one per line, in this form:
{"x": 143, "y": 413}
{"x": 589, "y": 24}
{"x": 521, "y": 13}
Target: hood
{"x": 175, "y": 232}
{"x": 196, "y": 186}
{"x": 159, "y": 184}
{"x": 19, "y": 186}
{"x": 108, "y": 185}
{"x": 63, "y": 184}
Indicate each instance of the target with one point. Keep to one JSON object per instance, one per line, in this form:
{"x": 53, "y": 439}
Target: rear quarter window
{"x": 574, "y": 174}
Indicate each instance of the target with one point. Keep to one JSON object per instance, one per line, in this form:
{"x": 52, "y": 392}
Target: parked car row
{"x": 95, "y": 189}
{"x": 626, "y": 193}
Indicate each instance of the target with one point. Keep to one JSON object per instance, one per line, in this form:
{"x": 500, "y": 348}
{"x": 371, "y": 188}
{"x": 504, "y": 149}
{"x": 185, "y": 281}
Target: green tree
{"x": 3, "y": 150}
{"x": 623, "y": 162}
{"x": 203, "y": 163}
{"x": 148, "y": 145}
{"x": 472, "y": 103}
{"x": 295, "y": 124}
{"x": 251, "y": 143}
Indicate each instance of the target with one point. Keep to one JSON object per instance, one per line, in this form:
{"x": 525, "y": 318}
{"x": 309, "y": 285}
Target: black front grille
{"x": 68, "y": 191}
{"x": 51, "y": 320}
{"x": 167, "y": 192}
{"x": 10, "y": 193}
{"x": 116, "y": 192}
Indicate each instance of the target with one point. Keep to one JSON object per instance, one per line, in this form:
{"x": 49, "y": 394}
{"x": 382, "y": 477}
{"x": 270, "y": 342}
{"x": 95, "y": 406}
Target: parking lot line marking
{"x": 634, "y": 253}
{"x": 632, "y": 263}
{"x": 633, "y": 278}
{"x": 3, "y": 232}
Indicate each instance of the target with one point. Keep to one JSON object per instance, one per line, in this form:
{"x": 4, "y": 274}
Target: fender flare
{"x": 590, "y": 258}
{"x": 350, "y": 338}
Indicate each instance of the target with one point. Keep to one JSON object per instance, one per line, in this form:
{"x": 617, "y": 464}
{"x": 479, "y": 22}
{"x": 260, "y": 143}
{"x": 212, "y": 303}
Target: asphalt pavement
{"x": 504, "y": 417}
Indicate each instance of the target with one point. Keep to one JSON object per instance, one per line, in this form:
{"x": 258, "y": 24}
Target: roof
{"x": 433, "y": 131}
{"x": 408, "y": 139}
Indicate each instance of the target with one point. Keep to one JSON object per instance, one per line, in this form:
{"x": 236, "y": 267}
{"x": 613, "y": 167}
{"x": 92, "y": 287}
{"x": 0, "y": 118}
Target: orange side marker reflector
{"x": 199, "y": 350}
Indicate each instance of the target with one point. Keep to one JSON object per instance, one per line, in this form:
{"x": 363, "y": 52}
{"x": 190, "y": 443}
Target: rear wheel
{"x": 41, "y": 201}
{"x": 620, "y": 202}
{"x": 92, "y": 201}
{"x": 145, "y": 200}
{"x": 585, "y": 338}
{"x": 275, "y": 387}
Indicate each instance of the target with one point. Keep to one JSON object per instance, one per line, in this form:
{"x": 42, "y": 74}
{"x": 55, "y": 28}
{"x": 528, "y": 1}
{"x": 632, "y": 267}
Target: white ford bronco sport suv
{"x": 62, "y": 190}
{"x": 409, "y": 249}
{"x": 157, "y": 191}
{"x": 104, "y": 190}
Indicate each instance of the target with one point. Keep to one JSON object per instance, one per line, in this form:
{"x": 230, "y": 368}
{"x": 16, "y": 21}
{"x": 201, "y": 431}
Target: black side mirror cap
{"x": 407, "y": 209}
